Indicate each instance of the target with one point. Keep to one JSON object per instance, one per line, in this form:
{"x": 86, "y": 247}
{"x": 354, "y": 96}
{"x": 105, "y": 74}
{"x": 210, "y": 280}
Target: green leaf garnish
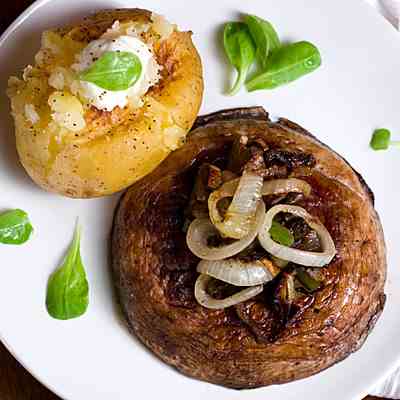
{"x": 285, "y": 65}
{"x": 264, "y": 36}
{"x": 68, "y": 289}
{"x": 15, "y": 227}
{"x": 381, "y": 140}
{"x": 114, "y": 70}
{"x": 281, "y": 234}
{"x": 241, "y": 51}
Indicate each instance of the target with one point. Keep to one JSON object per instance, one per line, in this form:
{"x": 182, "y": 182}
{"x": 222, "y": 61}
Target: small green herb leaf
{"x": 15, "y": 227}
{"x": 240, "y": 49}
{"x": 114, "y": 70}
{"x": 308, "y": 282}
{"x": 287, "y": 64}
{"x": 264, "y": 36}
{"x": 281, "y": 234}
{"x": 380, "y": 139}
{"x": 67, "y": 288}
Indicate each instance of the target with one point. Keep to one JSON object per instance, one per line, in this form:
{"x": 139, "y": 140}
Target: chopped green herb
{"x": 309, "y": 283}
{"x": 381, "y": 140}
{"x": 281, "y": 234}
{"x": 241, "y": 51}
{"x": 67, "y": 288}
{"x": 15, "y": 227}
{"x": 114, "y": 70}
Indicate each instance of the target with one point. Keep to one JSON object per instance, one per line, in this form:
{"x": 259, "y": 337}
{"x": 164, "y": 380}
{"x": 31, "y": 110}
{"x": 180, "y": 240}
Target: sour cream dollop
{"x": 107, "y": 100}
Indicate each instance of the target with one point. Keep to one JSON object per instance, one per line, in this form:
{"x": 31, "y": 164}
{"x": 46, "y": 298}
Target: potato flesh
{"x": 80, "y": 152}
{"x": 67, "y": 111}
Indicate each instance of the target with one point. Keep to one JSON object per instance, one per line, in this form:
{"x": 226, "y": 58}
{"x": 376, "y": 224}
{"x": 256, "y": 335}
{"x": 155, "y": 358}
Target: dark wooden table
{"x": 15, "y": 382}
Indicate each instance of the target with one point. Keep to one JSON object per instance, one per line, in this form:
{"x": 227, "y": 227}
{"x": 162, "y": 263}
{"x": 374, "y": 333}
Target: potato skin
{"x": 115, "y": 148}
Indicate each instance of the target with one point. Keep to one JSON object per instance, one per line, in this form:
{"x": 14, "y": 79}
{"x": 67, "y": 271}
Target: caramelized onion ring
{"x": 240, "y": 216}
{"x": 302, "y": 257}
{"x": 236, "y": 272}
{"x": 201, "y": 229}
{"x": 203, "y": 298}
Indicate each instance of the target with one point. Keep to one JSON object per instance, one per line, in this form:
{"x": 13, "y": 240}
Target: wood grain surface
{"x": 15, "y": 382}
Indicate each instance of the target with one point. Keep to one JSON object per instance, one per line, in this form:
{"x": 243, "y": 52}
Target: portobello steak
{"x": 261, "y": 341}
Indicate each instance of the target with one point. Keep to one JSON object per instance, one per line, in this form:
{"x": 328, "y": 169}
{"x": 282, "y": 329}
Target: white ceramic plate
{"x": 355, "y": 91}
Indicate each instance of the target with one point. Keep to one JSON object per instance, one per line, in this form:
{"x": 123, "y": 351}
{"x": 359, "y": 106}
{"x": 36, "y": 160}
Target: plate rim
{"x": 3, "y": 38}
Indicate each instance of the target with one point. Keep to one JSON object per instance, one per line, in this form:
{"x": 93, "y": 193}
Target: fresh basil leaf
{"x": 15, "y": 227}
{"x": 281, "y": 234}
{"x": 114, "y": 70}
{"x": 287, "y": 64}
{"x": 380, "y": 139}
{"x": 68, "y": 289}
{"x": 240, "y": 49}
{"x": 264, "y": 36}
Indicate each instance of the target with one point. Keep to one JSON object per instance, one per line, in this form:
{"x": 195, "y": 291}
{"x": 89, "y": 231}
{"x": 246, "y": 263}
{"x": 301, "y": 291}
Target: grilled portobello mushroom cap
{"x": 251, "y": 344}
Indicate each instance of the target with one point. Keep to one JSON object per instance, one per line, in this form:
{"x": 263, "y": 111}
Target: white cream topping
{"x": 104, "y": 99}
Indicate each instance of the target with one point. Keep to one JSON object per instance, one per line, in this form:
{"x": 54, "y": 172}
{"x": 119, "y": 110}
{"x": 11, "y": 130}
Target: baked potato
{"x": 69, "y": 146}
{"x": 271, "y": 338}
